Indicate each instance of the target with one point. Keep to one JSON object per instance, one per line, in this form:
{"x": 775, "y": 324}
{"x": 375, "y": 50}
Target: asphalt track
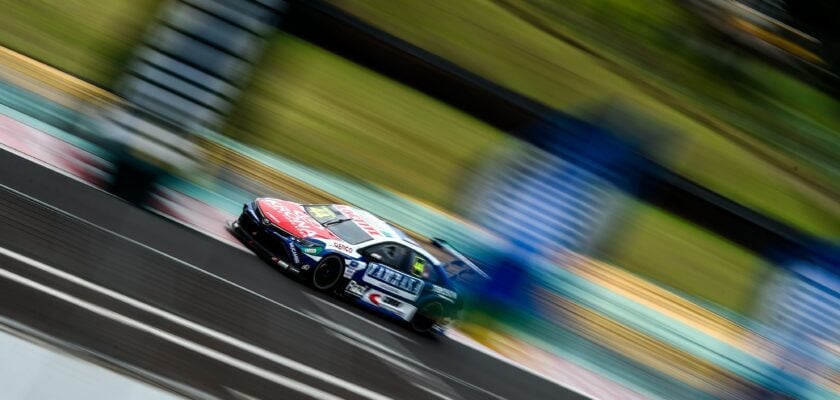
{"x": 154, "y": 299}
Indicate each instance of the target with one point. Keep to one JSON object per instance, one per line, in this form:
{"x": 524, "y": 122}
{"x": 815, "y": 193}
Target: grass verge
{"x": 486, "y": 38}
{"x": 90, "y": 39}
{"x": 311, "y": 105}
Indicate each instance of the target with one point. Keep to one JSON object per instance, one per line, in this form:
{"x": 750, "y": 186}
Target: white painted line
{"x": 360, "y": 337}
{"x": 466, "y": 343}
{"x": 239, "y": 395}
{"x": 67, "y": 174}
{"x": 370, "y": 344}
{"x": 168, "y": 256}
{"x": 222, "y": 337}
{"x": 152, "y": 249}
{"x": 327, "y": 303}
{"x": 432, "y": 392}
{"x": 417, "y": 374}
{"x": 235, "y": 245}
{"x": 174, "y": 339}
{"x": 377, "y": 353}
{"x": 38, "y": 372}
{"x": 71, "y": 349}
{"x": 49, "y": 166}
{"x": 462, "y": 339}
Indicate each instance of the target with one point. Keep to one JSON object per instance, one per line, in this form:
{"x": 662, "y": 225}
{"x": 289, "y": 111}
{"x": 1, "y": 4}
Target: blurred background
{"x": 657, "y": 180}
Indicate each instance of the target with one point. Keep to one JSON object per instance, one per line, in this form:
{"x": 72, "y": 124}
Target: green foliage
{"x": 314, "y": 106}
{"x": 90, "y": 39}
{"x": 649, "y": 54}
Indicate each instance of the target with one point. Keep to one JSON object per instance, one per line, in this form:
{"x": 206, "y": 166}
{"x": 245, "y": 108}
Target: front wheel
{"x": 327, "y": 273}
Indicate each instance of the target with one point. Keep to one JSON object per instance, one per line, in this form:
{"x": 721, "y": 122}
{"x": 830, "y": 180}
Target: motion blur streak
{"x": 286, "y": 362}
{"x": 274, "y": 377}
{"x": 631, "y": 200}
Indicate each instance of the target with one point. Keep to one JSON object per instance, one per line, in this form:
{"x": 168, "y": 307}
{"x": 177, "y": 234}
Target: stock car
{"x": 353, "y": 253}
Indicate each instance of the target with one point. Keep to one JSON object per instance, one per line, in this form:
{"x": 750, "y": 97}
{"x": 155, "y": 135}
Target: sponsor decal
{"x": 381, "y": 300}
{"x": 292, "y": 217}
{"x": 342, "y": 247}
{"x": 355, "y": 288}
{"x": 353, "y": 265}
{"x": 388, "y": 301}
{"x": 451, "y": 294}
{"x": 311, "y": 250}
{"x": 395, "y": 279}
{"x": 293, "y": 250}
{"x": 358, "y": 219}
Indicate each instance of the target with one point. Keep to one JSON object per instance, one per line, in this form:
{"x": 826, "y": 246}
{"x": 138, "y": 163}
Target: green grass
{"x": 662, "y": 42}
{"x": 489, "y": 40}
{"x": 311, "y": 105}
{"x": 90, "y": 39}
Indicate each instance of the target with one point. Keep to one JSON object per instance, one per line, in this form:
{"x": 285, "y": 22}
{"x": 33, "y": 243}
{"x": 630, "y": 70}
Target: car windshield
{"x": 323, "y": 213}
{"x": 338, "y": 223}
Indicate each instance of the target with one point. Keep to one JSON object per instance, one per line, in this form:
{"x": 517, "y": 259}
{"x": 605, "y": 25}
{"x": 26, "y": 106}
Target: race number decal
{"x": 386, "y": 278}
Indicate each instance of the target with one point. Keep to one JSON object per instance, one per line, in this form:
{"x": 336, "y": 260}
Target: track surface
{"x": 206, "y": 319}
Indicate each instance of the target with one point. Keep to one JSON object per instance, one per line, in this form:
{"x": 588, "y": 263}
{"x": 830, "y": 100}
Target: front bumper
{"x": 259, "y": 238}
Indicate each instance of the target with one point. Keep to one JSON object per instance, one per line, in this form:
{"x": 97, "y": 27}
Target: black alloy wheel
{"x": 327, "y": 273}
{"x": 427, "y": 316}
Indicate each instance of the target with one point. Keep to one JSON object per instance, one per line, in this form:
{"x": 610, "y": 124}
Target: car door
{"x": 389, "y": 270}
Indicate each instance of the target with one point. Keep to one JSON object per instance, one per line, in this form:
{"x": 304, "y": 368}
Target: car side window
{"x": 417, "y": 265}
{"x": 392, "y": 254}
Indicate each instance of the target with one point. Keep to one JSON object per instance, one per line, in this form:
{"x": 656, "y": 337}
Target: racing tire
{"x": 427, "y": 316}
{"x": 327, "y": 274}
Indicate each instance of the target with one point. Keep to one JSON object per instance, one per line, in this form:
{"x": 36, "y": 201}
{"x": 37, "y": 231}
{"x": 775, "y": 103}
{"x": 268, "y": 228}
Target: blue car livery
{"x": 351, "y": 252}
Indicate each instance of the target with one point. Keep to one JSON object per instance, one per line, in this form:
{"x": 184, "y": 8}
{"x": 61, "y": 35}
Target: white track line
{"x": 468, "y": 342}
{"x": 152, "y": 249}
{"x": 169, "y": 337}
{"x": 457, "y": 339}
{"x": 209, "y": 332}
{"x": 327, "y": 303}
{"x": 70, "y": 175}
{"x": 461, "y": 340}
{"x": 432, "y": 392}
{"x": 168, "y": 256}
{"x": 49, "y": 166}
{"x": 376, "y": 348}
{"x": 61, "y": 346}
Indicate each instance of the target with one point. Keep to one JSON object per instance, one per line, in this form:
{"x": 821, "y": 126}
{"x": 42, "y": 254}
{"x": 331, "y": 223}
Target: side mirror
{"x": 375, "y": 256}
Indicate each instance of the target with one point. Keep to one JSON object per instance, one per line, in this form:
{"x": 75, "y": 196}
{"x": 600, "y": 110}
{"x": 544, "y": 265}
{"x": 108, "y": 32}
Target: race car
{"x": 352, "y": 252}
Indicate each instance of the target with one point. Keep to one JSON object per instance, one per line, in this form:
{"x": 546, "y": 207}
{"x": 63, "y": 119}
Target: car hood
{"x": 292, "y": 218}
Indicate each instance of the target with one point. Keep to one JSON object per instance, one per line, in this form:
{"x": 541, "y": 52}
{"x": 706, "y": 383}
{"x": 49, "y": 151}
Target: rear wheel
{"x": 427, "y": 316}
{"x": 327, "y": 273}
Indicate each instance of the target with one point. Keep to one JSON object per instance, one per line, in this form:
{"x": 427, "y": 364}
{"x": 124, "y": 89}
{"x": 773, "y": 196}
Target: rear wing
{"x": 448, "y": 249}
